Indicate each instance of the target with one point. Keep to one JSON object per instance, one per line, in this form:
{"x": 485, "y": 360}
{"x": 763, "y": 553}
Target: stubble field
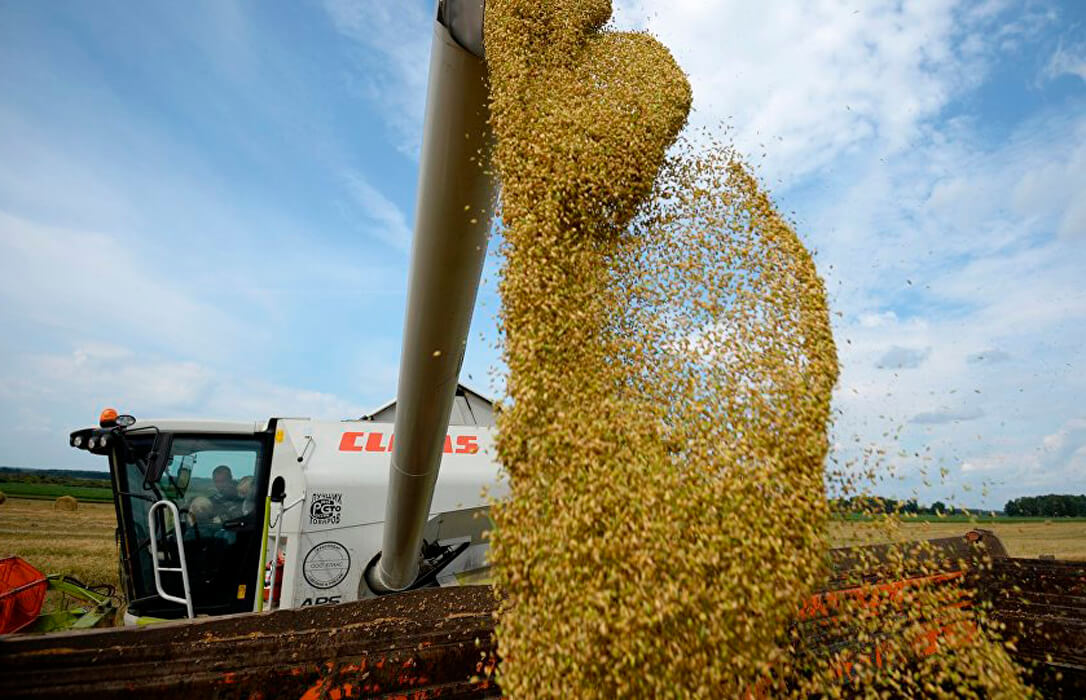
{"x": 81, "y": 543}
{"x": 78, "y": 543}
{"x": 1064, "y": 539}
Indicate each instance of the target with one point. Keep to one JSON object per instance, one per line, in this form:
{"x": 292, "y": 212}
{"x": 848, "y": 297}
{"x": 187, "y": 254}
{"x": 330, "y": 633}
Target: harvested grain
{"x": 670, "y": 367}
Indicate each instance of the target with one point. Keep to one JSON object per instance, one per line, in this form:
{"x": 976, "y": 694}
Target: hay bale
{"x": 66, "y": 503}
{"x": 2, "y": 498}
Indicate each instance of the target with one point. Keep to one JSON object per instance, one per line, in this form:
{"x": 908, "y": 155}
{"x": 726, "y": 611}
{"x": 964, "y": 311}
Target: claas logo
{"x": 378, "y": 442}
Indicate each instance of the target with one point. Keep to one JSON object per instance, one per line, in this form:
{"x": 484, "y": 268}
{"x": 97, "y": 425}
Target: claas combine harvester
{"x": 294, "y": 557}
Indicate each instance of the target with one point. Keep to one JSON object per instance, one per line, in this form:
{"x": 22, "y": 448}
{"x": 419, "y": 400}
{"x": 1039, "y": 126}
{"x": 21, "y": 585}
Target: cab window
{"x": 212, "y": 480}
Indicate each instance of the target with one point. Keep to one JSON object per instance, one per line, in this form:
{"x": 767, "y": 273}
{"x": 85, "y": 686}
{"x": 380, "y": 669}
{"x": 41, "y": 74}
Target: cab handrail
{"x": 158, "y": 569}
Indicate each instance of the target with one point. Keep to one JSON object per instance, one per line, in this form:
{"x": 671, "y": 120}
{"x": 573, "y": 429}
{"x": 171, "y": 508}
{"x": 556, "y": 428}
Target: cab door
{"x": 218, "y": 483}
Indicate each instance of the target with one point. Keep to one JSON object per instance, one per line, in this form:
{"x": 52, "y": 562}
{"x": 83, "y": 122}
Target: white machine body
{"x": 220, "y": 517}
{"x": 336, "y": 476}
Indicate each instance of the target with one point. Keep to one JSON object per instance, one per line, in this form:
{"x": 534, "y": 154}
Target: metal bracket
{"x": 306, "y": 448}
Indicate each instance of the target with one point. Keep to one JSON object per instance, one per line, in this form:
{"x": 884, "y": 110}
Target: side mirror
{"x": 155, "y": 466}
{"x": 184, "y": 475}
{"x": 124, "y": 420}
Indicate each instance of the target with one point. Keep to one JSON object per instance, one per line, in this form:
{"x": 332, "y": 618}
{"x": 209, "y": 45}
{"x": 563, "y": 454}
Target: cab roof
{"x": 187, "y": 425}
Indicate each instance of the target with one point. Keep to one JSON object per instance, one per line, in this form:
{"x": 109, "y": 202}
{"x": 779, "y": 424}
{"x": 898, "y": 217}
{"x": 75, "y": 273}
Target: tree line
{"x": 1052, "y": 505}
{"x": 879, "y": 504}
{"x": 1048, "y": 506}
{"x": 61, "y": 477}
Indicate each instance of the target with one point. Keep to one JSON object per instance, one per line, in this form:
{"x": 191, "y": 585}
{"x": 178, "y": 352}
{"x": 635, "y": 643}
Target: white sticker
{"x": 326, "y": 565}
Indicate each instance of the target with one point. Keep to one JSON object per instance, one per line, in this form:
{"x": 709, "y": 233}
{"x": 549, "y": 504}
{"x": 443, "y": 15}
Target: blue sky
{"x": 205, "y": 210}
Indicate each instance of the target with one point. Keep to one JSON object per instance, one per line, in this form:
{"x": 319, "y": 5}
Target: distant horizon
{"x": 957, "y": 506}
{"x": 56, "y": 469}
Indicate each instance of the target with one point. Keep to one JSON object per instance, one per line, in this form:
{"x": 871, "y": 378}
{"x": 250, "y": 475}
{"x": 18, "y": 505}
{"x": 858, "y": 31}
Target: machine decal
{"x": 322, "y": 600}
{"x": 467, "y": 445}
{"x": 326, "y": 565}
{"x": 375, "y": 442}
{"x": 325, "y": 508}
{"x": 353, "y": 441}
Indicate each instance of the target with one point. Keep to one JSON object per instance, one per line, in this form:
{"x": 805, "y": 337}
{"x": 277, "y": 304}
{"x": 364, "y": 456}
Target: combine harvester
{"x": 316, "y": 569}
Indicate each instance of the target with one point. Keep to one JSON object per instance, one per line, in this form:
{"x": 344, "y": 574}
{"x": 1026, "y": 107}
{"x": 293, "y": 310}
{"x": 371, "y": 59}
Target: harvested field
{"x": 1065, "y": 539}
{"x": 81, "y": 544}
{"x": 78, "y": 543}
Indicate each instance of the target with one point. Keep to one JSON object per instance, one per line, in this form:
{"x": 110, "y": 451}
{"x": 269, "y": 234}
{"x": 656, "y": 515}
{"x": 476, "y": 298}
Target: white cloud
{"x": 386, "y": 220}
{"x": 980, "y": 268}
{"x": 48, "y": 395}
{"x": 937, "y": 245}
{"x": 1055, "y": 464}
{"x": 93, "y": 372}
{"x": 876, "y": 320}
{"x": 994, "y": 463}
{"x": 898, "y": 357}
{"x": 808, "y": 82}
{"x": 1067, "y": 60}
{"x": 393, "y": 42}
{"x": 116, "y": 376}
{"x": 84, "y": 281}
{"x": 946, "y": 415}
{"x": 1067, "y": 442}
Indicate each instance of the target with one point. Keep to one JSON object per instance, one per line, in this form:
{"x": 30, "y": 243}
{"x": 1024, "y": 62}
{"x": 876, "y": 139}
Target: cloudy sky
{"x": 205, "y": 210}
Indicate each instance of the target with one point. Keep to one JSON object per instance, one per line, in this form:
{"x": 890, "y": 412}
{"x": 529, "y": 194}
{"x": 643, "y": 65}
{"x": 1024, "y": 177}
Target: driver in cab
{"x": 226, "y": 503}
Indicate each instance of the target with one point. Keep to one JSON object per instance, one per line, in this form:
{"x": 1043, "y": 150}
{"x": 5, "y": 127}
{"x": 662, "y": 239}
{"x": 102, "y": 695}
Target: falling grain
{"x": 670, "y": 368}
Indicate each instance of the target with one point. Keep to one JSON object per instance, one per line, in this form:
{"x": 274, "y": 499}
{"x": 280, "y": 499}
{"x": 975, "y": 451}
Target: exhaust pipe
{"x": 453, "y": 213}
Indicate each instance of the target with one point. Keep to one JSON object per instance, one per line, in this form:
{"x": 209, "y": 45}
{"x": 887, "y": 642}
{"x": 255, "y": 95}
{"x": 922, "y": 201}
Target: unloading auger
{"x": 452, "y": 219}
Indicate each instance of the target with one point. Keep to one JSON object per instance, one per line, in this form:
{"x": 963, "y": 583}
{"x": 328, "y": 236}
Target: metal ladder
{"x": 183, "y": 569}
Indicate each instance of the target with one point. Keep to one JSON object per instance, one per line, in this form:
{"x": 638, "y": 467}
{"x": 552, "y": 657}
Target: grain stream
{"x": 670, "y": 368}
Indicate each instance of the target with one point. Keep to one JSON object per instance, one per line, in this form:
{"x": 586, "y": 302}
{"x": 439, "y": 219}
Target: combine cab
{"x": 216, "y": 518}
